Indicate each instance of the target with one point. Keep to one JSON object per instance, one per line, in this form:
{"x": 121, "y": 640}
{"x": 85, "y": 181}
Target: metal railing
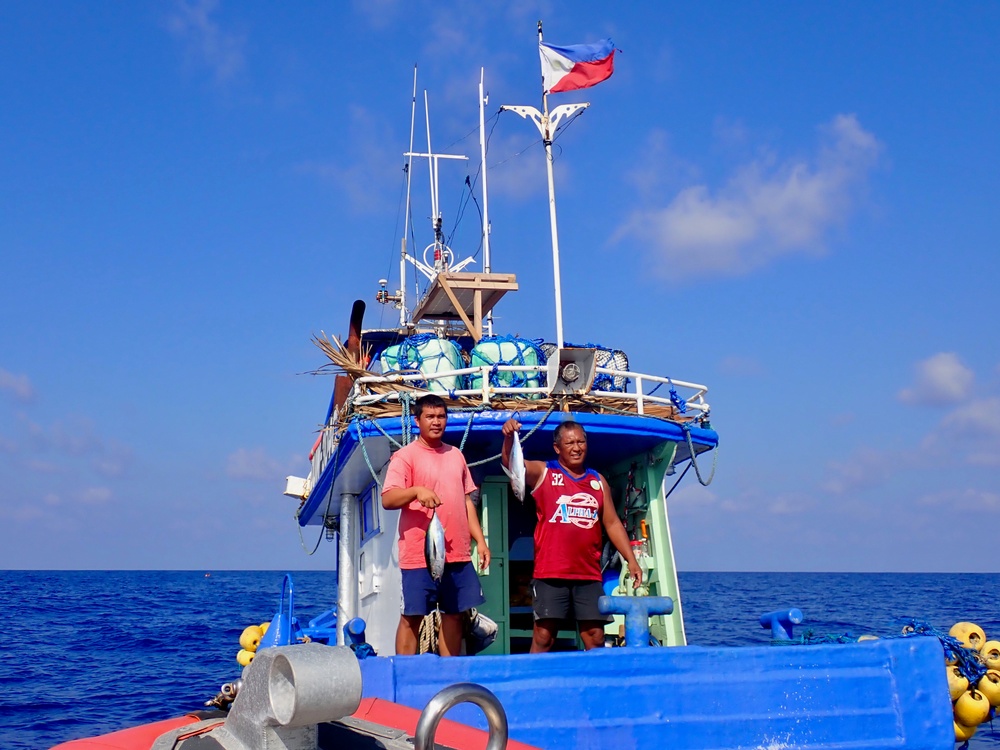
{"x": 691, "y": 395}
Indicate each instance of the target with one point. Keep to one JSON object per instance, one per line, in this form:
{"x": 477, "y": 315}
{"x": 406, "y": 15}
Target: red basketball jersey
{"x": 568, "y": 536}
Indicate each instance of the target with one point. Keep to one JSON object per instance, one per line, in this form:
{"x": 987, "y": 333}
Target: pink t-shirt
{"x": 444, "y": 471}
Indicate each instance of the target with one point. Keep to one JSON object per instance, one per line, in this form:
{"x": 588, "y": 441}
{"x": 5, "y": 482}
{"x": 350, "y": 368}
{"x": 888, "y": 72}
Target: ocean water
{"x": 83, "y": 653}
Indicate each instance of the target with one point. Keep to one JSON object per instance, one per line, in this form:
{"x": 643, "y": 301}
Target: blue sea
{"x": 83, "y": 653}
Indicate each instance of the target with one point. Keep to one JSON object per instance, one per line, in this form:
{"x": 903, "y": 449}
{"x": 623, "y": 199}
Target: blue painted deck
{"x": 878, "y": 694}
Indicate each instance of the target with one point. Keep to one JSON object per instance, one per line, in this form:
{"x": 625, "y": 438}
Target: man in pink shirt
{"x": 427, "y": 477}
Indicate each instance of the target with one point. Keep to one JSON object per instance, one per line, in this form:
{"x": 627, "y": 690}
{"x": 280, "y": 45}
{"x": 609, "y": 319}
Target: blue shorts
{"x": 457, "y": 591}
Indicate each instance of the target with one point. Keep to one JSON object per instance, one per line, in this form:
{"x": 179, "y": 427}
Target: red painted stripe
{"x": 136, "y": 738}
{"x": 586, "y": 74}
{"x": 450, "y": 733}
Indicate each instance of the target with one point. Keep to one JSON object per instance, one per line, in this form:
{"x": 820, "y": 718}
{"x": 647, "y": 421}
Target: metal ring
{"x": 462, "y": 692}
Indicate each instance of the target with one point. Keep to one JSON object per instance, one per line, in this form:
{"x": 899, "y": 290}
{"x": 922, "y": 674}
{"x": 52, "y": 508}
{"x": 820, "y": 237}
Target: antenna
{"x": 442, "y": 257}
{"x": 406, "y": 220}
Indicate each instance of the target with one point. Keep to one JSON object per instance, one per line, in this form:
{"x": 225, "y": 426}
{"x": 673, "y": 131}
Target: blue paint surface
{"x": 878, "y": 694}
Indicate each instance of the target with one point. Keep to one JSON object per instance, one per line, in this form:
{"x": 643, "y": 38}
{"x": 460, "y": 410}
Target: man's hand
{"x": 636, "y": 572}
{"x": 510, "y": 427}
{"x": 427, "y": 497}
{"x": 484, "y": 557}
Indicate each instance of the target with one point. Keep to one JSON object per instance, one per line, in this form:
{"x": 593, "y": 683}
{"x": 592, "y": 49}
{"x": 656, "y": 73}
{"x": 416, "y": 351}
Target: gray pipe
{"x": 347, "y": 571}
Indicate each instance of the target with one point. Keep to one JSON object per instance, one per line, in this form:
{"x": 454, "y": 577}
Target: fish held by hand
{"x": 434, "y": 548}
{"x": 516, "y": 470}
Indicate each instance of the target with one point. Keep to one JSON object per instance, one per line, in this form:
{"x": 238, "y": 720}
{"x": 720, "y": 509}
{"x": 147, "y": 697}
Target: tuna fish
{"x": 516, "y": 470}
{"x": 434, "y": 548}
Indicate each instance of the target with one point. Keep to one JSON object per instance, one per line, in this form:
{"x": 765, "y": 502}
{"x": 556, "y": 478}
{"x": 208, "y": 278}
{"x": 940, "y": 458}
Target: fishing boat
{"x": 309, "y": 684}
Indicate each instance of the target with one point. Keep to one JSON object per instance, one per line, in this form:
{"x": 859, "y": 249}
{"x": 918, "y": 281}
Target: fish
{"x": 434, "y": 548}
{"x": 516, "y": 470}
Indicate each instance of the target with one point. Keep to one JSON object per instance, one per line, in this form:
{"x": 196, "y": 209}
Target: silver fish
{"x": 516, "y": 470}
{"x": 434, "y": 548}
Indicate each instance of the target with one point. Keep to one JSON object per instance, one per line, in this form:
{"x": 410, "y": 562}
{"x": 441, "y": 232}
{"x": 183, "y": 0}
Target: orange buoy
{"x": 970, "y": 634}
{"x": 963, "y": 733}
{"x": 990, "y": 652}
{"x": 957, "y": 683}
{"x": 989, "y": 686}
{"x": 971, "y": 708}
{"x": 250, "y": 637}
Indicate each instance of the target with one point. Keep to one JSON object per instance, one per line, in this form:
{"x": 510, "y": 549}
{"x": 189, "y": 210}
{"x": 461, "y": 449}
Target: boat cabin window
{"x": 370, "y": 502}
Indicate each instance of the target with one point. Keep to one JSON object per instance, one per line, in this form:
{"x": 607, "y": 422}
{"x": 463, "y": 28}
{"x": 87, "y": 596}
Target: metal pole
{"x": 406, "y": 220}
{"x": 547, "y": 140}
{"x": 487, "y": 266}
{"x": 347, "y": 573}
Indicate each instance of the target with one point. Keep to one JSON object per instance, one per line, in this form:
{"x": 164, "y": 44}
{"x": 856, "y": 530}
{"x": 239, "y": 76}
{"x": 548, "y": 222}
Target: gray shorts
{"x": 564, "y": 599}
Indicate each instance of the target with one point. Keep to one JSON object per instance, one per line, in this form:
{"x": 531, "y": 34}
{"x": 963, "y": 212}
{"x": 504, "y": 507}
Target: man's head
{"x": 569, "y": 441}
{"x": 432, "y": 416}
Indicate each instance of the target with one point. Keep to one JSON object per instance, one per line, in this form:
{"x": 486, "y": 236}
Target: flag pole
{"x": 547, "y": 124}
{"x": 547, "y": 141}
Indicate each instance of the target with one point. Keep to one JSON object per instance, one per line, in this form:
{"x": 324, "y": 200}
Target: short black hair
{"x": 432, "y": 400}
{"x": 569, "y": 424}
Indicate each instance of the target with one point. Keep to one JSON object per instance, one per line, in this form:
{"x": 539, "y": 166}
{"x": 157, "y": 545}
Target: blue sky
{"x": 794, "y": 203}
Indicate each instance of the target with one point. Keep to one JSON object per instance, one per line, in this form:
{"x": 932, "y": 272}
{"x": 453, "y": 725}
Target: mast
{"x": 486, "y": 211}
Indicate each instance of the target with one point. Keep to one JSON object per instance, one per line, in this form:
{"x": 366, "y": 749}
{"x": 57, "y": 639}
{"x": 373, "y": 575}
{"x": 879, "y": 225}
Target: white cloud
{"x": 791, "y": 503}
{"x": 379, "y": 14}
{"x": 963, "y": 500}
{"x": 976, "y": 426}
{"x": 765, "y": 211}
{"x": 95, "y": 496}
{"x": 980, "y": 417}
{"x": 941, "y": 379}
{"x": 866, "y": 468}
{"x": 368, "y": 179}
{"x": 692, "y": 498}
{"x": 252, "y": 463}
{"x": 206, "y": 43}
{"x": 19, "y": 386}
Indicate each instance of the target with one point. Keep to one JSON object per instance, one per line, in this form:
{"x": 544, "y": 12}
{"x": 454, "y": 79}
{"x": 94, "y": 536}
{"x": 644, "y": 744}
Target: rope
{"x": 468, "y": 428}
{"x": 430, "y": 627}
{"x": 405, "y": 398}
{"x": 968, "y": 661}
{"x": 322, "y": 531}
{"x": 364, "y": 452}
{"x": 694, "y": 462}
{"x": 530, "y": 433}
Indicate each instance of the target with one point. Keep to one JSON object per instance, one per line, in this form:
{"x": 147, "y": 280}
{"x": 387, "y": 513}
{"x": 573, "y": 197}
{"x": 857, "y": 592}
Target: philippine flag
{"x": 577, "y": 66}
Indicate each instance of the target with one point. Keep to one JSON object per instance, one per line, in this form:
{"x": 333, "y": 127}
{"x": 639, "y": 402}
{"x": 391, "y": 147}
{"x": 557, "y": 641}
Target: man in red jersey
{"x": 573, "y": 505}
{"x": 425, "y": 477}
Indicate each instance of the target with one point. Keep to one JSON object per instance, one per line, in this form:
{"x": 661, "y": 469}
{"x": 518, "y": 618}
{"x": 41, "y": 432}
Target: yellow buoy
{"x": 970, "y": 634}
{"x": 963, "y": 733}
{"x": 957, "y": 682}
{"x": 989, "y": 686}
{"x": 250, "y": 638}
{"x": 264, "y": 626}
{"x": 868, "y": 638}
{"x": 244, "y": 657}
{"x": 990, "y": 652}
{"x": 971, "y": 708}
